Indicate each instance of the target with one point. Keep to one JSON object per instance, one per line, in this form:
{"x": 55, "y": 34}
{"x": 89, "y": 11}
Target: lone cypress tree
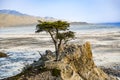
{"x": 59, "y": 32}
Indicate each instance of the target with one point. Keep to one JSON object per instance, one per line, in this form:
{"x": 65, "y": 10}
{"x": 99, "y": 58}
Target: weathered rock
{"x": 76, "y": 63}
{"x": 2, "y": 55}
{"x": 47, "y": 56}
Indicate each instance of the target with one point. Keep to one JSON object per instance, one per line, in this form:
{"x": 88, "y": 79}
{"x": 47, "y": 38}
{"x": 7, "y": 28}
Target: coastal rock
{"x": 2, "y": 55}
{"x": 76, "y": 63}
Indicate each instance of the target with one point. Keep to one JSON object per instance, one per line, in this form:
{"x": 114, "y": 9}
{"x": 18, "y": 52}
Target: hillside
{"x": 7, "y": 20}
{"x": 13, "y": 18}
{"x": 10, "y": 18}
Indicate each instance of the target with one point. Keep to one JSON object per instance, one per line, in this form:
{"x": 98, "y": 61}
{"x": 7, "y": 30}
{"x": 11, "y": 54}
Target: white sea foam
{"x": 105, "y": 48}
{"x": 14, "y": 64}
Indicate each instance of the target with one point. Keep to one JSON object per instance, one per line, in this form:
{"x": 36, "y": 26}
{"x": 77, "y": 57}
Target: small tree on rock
{"x": 59, "y": 32}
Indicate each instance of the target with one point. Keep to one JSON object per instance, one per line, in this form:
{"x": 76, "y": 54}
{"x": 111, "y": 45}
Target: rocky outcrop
{"x": 76, "y": 63}
{"x": 2, "y": 55}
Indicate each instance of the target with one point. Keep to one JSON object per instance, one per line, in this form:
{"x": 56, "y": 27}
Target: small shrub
{"x": 55, "y": 72}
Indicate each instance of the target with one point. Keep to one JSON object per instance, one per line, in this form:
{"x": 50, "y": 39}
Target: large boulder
{"x": 76, "y": 63}
{"x": 3, "y": 54}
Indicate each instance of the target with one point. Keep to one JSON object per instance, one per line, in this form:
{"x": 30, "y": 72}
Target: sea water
{"x": 75, "y": 28}
{"x": 14, "y": 64}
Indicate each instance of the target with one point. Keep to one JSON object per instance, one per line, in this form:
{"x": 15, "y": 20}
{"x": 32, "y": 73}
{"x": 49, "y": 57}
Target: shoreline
{"x": 105, "y": 48}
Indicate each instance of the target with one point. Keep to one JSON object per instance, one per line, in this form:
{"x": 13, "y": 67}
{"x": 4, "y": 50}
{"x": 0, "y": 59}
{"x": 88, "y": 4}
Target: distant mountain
{"x": 12, "y": 12}
{"x": 14, "y": 18}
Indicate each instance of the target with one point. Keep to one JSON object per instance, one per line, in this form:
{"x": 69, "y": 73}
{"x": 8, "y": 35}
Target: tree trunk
{"x": 59, "y": 48}
{"x": 55, "y": 44}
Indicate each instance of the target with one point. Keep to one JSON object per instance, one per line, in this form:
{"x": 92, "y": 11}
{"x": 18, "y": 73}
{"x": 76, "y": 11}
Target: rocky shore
{"x": 23, "y": 49}
{"x": 2, "y": 55}
{"x": 76, "y": 63}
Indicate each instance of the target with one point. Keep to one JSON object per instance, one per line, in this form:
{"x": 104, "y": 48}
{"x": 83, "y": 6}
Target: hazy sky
{"x": 74, "y": 10}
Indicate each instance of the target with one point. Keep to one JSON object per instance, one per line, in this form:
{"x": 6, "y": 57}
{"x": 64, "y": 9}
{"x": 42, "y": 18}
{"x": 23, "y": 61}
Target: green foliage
{"x": 65, "y": 35}
{"x": 45, "y": 26}
{"x": 52, "y": 26}
{"x": 59, "y": 32}
{"x": 61, "y": 25}
{"x": 55, "y": 72}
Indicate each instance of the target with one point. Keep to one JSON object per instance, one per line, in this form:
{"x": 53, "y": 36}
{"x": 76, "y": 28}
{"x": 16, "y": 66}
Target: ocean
{"x": 75, "y": 28}
{"x": 23, "y": 51}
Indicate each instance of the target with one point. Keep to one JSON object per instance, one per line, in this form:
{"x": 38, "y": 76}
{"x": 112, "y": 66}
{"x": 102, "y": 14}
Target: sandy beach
{"x": 23, "y": 49}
